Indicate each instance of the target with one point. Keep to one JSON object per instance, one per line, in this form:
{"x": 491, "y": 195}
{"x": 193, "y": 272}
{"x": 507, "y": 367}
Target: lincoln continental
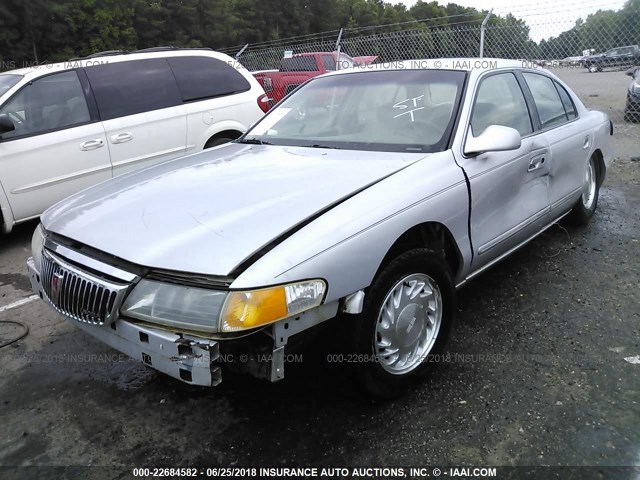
{"x": 365, "y": 199}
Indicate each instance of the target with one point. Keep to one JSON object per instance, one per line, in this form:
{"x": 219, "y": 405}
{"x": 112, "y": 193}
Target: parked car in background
{"x": 298, "y": 68}
{"x": 571, "y": 61}
{"x": 614, "y": 58}
{"x": 71, "y": 125}
{"x": 632, "y": 109}
{"x": 367, "y": 194}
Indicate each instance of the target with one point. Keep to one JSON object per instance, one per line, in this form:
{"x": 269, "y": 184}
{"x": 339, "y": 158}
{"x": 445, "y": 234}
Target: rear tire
{"x": 588, "y": 201}
{"x": 406, "y": 319}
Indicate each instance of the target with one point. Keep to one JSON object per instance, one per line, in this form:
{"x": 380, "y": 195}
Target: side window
{"x": 329, "y": 62}
{"x": 569, "y": 107}
{"x": 500, "y": 101}
{"x": 205, "y": 77}
{"x": 127, "y": 88}
{"x": 547, "y": 100}
{"x": 48, "y": 103}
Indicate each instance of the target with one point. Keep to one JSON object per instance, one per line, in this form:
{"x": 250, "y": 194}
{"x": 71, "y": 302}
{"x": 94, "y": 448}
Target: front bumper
{"x": 186, "y": 358}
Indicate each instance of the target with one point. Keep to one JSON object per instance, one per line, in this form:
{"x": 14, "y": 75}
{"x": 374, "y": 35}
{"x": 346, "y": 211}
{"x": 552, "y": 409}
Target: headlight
{"x": 175, "y": 305}
{"x": 214, "y": 311}
{"x": 244, "y": 310}
{"x": 635, "y": 88}
{"x": 37, "y": 243}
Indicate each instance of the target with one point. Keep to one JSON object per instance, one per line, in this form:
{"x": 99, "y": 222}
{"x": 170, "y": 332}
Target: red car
{"x": 297, "y": 69}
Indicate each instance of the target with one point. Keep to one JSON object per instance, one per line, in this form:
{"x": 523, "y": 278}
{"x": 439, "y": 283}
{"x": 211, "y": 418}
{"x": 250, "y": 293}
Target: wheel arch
{"x": 232, "y": 134}
{"x": 601, "y": 166}
{"x": 434, "y": 235}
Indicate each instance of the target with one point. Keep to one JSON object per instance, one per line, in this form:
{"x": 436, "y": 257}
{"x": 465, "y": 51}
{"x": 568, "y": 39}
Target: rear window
{"x": 566, "y": 101}
{"x": 551, "y": 109}
{"x": 127, "y": 88}
{"x": 298, "y": 64}
{"x": 205, "y": 77}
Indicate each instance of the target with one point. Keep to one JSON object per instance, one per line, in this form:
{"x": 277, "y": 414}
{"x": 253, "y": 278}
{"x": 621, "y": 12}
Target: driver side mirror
{"x": 6, "y": 124}
{"x": 495, "y": 138}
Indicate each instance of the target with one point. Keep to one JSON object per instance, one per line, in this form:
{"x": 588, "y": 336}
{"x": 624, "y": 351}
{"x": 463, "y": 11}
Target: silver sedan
{"x": 367, "y": 195}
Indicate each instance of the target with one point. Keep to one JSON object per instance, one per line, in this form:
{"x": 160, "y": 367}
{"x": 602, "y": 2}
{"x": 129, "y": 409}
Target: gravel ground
{"x": 536, "y": 372}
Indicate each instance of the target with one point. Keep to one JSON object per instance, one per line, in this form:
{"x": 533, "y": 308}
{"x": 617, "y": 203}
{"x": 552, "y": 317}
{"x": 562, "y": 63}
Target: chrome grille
{"x": 80, "y": 295}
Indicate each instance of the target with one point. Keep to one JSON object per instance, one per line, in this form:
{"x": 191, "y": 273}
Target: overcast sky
{"x": 547, "y": 18}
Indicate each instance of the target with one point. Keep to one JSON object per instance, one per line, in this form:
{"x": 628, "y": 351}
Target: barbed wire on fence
{"x": 563, "y": 42}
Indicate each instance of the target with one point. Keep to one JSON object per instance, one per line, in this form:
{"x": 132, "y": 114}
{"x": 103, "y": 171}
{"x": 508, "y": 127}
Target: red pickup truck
{"x": 299, "y": 68}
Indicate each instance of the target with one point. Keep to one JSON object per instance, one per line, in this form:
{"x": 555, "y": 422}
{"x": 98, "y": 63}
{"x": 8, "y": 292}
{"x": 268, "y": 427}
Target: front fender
{"x": 346, "y": 245}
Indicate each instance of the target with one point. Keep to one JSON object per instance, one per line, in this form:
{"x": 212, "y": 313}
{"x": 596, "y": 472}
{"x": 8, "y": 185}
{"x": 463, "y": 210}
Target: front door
{"x": 56, "y": 149}
{"x": 509, "y": 198}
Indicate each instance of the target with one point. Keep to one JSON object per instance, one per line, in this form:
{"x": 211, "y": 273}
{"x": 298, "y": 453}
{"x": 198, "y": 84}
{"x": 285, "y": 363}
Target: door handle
{"x": 536, "y": 163}
{"x": 586, "y": 142}
{"x": 92, "y": 144}
{"x": 121, "y": 137}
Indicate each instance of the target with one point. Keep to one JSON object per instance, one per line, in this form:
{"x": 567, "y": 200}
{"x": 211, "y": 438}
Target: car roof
{"x": 466, "y": 64}
{"x": 46, "y": 68}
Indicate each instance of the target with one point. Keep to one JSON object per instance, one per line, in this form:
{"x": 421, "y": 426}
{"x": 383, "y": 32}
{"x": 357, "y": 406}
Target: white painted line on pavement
{"x": 633, "y": 360}
{"x": 19, "y": 303}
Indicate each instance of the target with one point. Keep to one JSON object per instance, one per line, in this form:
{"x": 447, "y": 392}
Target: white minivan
{"x": 67, "y": 126}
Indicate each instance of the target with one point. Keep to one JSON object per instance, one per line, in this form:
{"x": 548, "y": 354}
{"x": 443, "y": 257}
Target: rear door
{"x": 141, "y": 111}
{"x": 509, "y": 199}
{"x": 569, "y": 142}
{"x": 58, "y": 146}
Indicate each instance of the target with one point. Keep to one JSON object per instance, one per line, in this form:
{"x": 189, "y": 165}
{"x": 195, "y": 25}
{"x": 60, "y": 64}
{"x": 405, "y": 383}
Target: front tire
{"x": 406, "y": 318}
{"x": 593, "y": 68}
{"x": 588, "y": 201}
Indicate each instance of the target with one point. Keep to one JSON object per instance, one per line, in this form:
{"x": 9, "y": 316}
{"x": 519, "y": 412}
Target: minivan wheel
{"x": 588, "y": 201}
{"x": 214, "y": 142}
{"x": 406, "y": 319}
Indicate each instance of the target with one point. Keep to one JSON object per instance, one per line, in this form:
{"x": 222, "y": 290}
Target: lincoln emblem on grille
{"x": 56, "y": 279}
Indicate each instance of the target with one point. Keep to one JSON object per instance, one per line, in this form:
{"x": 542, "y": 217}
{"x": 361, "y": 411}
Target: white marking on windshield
{"x": 402, "y": 105}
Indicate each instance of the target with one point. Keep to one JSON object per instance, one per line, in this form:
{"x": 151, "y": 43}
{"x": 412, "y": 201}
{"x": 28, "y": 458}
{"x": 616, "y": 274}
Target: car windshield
{"x": 399, "y": 111}
{"x": 7, "y": 81}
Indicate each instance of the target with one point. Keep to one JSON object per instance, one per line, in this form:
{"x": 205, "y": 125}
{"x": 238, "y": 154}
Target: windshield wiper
{"x": 317, "y": 145}
{"x": 254, "y": 141}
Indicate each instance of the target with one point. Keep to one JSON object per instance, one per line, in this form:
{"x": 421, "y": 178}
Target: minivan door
{"x": 141, "y": 111}
{"x": 58, "y": 146}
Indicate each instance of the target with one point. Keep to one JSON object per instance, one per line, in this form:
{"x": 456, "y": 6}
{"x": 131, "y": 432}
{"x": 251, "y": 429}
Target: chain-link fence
{"x": 571, "y": 48}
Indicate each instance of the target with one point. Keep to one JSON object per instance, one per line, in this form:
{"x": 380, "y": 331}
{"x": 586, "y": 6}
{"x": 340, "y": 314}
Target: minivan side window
{"x": 130, "y": 87}
{"x": 49, "y": 103}
{"x": 500, "y": 101}
{"x": 205, "y": 77}
{"x": 548, "y": 103}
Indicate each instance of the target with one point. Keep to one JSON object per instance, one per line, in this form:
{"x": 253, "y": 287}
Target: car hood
{"x": 207, "y": 213}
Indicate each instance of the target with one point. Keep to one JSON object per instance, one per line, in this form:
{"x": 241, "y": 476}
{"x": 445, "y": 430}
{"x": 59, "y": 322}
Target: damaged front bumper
{"x": 91, "y": 297}
{"x": 187, "y": 358}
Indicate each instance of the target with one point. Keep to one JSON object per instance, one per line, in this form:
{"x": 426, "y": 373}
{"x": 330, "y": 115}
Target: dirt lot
{"x": 536, "y": 375}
